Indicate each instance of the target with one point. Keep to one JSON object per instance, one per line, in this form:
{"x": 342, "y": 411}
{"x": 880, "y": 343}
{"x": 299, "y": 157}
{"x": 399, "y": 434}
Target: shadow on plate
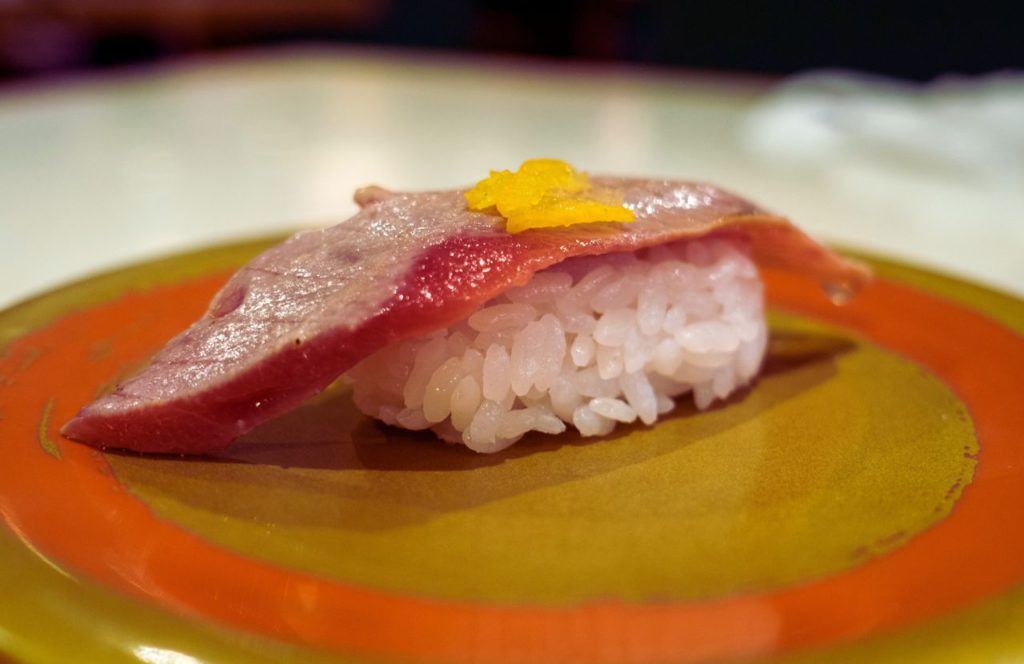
{"x": 330, "y": 433}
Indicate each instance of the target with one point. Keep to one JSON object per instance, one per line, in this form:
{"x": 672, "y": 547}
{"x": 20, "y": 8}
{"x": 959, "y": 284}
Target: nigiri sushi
{"x": 538, "y": 300}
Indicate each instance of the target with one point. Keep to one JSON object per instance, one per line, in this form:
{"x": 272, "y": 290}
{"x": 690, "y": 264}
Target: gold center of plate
{"x": 841, "y": 452}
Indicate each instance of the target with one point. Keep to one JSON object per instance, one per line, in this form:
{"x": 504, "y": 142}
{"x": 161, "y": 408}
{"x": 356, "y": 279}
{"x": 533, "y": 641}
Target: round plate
{"x": 861, "y": 501}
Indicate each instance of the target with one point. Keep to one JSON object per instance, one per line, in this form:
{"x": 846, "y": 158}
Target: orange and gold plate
{"x": 862, "y": 502}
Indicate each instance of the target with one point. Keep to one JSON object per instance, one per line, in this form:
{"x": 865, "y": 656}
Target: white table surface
{"x": 102, "y": 171}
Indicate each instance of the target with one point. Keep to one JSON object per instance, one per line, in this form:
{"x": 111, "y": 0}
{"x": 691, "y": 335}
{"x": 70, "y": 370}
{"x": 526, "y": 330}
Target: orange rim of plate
{"x": 65, "y": 502}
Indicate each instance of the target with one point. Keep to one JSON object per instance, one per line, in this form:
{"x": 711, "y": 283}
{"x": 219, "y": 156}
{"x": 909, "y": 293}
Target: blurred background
{"x": 131, "y": 129}
{"x": 912, "y": 40}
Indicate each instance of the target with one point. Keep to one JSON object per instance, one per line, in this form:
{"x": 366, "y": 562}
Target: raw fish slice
{"x": 302, "y": 313}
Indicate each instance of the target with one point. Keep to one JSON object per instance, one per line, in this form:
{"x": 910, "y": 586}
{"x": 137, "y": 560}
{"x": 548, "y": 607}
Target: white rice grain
{"x": 482, "y": 434}
{"x": 710, "y": 336}
{"x": 502, "y": 316}
{"x": 544, "y": 287}
{"x": 496, "y": 373}
{"x": 589, "y": 423}
{"x": 640, "y": 396}
{"x": 464, "y": 403}
{"x": 428, "y": 358}
{"x": 565, "y": 398}
{"x": 613, "y": 409}
{"x": 618, "y": 293}
{"x": 550, "y": 351}
{"x": 589, "y": 383}
{"x": 652, "y": 303}
{"x": 437, "y": 396}
{"x": 583, "y": 349}
{"x": 614, "y": 326}
{"x": 609, "y": 362}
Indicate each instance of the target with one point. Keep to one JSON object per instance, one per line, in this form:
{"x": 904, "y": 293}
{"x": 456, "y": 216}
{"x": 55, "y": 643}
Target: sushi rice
{"x": 588, "y": 343}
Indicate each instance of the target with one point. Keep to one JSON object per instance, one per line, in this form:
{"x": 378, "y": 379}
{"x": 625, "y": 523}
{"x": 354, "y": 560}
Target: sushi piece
{"x": 538, "y": 300}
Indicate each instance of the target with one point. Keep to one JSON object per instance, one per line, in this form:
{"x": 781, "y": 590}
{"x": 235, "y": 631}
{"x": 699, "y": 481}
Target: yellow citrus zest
{"x": 545, "y": 193}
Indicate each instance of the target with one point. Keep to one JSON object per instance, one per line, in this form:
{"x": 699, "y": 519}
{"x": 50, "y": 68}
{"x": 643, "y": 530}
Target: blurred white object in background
{"x": 945, "y": 162}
